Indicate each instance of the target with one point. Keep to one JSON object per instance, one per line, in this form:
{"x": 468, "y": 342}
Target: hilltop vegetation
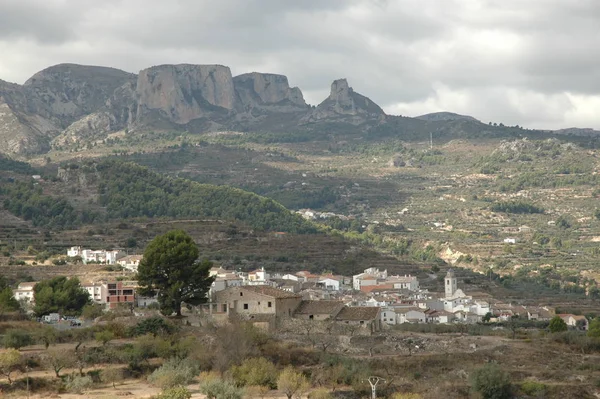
{"x": 127, "y": 191}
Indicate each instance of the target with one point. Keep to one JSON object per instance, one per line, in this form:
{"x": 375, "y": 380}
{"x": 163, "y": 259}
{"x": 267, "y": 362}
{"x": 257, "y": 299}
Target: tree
{"x": 255, "y": 371}
{"x": 215, "y": 388}
{"x": 557, "y": 324}
{"x": 486, "y": 318}
{"x": 175, "y": 393}
{"x": 104, "y": 336}
{"x": 16, "y": 339}
{"x": 292, "y": 383}
{"x": 112, "y": 375}
{"x": 170, "y": 270}
{"x": 491, "y": 382}
{"x": 92, "y": 311}
{"x": 594, "y": 328}
{"x": 9, "y": 360}
{"x": 46, "y": 335}
{"x": 153, "y": 325}
{"x": 8, "y": 303}
{"x": 59, "y": 295}
{"x": 58, "y": 359}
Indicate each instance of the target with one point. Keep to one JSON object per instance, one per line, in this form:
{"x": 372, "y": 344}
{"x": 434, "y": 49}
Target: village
{"x": 373, "y": 300}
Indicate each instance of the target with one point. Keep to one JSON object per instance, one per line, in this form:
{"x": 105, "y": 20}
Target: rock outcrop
{"x": 266, "y": 92}
{"x": 182, "y": 93}
{"x": 66, "y": 92}
{"x": 344, "y": 104}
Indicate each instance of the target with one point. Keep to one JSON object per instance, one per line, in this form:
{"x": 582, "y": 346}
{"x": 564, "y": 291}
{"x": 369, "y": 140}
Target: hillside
{"x": 112, "y": 190}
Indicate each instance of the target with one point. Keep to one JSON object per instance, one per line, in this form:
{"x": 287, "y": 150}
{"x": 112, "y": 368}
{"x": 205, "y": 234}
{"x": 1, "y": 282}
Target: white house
{"x": 24, "y": 292}
{"x": 74, "y": 251}
{"x": 510, "y": 240}
{"x": 258, "y": 277}
{"x": 388, "y": 316}
{"x": 410, "y": 315}
{"x": 130, "y": 262}
{"x": 98, "y": 291}
{"x": 225, "y": 281}
{"x": 410, "y": 283}
{"x": 329, "y": 284}
{"x": 370, "y": 276}
{"x": 290, "y": 277}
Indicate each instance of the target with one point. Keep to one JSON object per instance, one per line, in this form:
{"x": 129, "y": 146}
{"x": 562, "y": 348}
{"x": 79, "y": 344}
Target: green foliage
{"x": 104, "y": 336}
{"x": 534, "y": 388}
{"x": 92, "y": 311}
{"x": 112, "y": 375}
{"x": 9, "y": 360}
{"x": 491, "y": 382}
{"x": 170, "y": 270}
{"x": 220, "y": 389}
{"x": 28, "y": 201}
{"x": 516, "y": 207}
{"x": 153, "y": 325}
{"x": 594, "y": 328}
{"x": 15, "y": 338}
{"x": 10, "y": 165}
{"x": 47, "y": 335}
{"x": 128, "y": 190}
{"x": 557, "y": 324}
{"x": 175, "y": 393}
{"x": 8, "y": 302}
{"x": 78, "y": 384}
{"x": 174, "y": 372}
{"x": 255, "y": 371}
{"x": 292, "y": 382}
{"x": 60, "y": 295}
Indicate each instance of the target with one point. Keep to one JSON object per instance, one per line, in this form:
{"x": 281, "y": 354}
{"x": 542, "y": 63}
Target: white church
{"x": 462, "y": 306}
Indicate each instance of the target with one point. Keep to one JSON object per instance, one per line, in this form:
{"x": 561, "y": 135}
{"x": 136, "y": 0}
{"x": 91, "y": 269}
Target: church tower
{"x": 450, "y": 284}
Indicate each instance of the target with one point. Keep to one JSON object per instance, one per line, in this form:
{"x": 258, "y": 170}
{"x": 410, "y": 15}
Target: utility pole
{"x": 373, "y": 381}
{"x": 431, "y": 140}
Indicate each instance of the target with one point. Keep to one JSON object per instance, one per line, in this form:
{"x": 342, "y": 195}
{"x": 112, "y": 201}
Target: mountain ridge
{"x": 67, "y": 103}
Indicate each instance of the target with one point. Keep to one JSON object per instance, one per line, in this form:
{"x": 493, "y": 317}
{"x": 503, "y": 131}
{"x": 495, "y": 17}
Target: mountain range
{"x": 68, "y": 102}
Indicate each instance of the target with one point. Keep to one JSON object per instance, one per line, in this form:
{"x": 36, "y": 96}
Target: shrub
{"x": 175, "y": 393}
{"x": 16, "y": 339}
{"x": 594, "y": 328}
{"x": 557, "y": 324}
{"x": 153, "y": 325}
{"x": 320, "y": 393}
{"x": 173, "y": 372}
{"x": 255, "y": 371}
{"x": 104, "y": 336}
{"x": 112, "y": 375}
{"x": 78, "y": 384}
{"x": 491, "y": 382}
{"x": 533, "y": 388}
{"x": 220, "y": 389}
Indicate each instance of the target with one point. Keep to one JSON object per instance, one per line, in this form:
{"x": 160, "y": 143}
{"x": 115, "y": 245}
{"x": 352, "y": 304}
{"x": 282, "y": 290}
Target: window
{"x": 245, "y": 306}
{"x": 224, "y": 307}
{"x": 447, "y": 282}
{"x": 269, "y": 304}
{"x": 362, "y": 322}
{"x": 259, "y": 304}
{"x": 241, "y": 294}
{"x": 311, "y": 317}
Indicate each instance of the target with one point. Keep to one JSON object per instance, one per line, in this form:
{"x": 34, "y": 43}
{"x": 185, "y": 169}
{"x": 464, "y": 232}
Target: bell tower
{"x": 450, "y": 284}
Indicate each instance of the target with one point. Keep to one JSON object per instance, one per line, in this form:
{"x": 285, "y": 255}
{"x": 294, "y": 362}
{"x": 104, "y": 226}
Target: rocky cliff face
{"x": 66, "y": 92}
{"x": 267, "y": 92}
{"x": 81, "y": 104}
{"x": 182, "y": 93}
{"x": 344, "y": 104}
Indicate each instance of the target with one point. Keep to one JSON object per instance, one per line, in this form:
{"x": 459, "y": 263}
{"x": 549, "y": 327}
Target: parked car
{"x": 75, "y": 323}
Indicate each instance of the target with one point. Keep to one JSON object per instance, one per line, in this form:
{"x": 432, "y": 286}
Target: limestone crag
{"x": 66, "y": 92}
{"x": 345, "y": 104}
{"x": 182, "y": 93}
{"x": 267, "y": 92}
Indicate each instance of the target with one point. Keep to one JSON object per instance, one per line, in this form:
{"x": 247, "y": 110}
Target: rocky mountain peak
{"x": 182, "y": 93}
{"x": 267, "y": 91}
{"x": 340, "y": 90}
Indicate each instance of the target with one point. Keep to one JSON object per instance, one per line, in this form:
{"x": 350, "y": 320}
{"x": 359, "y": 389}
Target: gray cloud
{"x": 533, "y": 63}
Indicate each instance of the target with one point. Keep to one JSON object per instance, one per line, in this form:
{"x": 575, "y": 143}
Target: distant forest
{"x": 128, "y": 190}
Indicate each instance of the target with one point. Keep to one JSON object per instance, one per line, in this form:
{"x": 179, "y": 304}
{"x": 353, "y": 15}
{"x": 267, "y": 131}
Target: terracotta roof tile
{"x": 320, "y": 307}
{"x": 269, "y": 291}
{"x": 358, "y": 313}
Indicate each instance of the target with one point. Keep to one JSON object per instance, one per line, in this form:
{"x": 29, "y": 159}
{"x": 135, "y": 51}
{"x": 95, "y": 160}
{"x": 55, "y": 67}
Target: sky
{"x": 533, "y": 63}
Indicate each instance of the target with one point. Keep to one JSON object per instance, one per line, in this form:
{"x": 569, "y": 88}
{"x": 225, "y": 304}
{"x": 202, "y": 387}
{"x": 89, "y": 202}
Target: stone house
{"x": 259, "y": 299}
{"x": 367, "y": 317}
{"x": 318, "y": 310}
{"x": 575, "y": 321}
{"x": 24, "y": 292}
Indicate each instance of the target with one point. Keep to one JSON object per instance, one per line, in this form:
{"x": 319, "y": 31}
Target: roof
{"x": 30, "y": 284}
{"x": 131, "y": 257}
{"x": 320, "y": 307}
{"x": 269, "y": 291}
{"x": 358, "y": 313}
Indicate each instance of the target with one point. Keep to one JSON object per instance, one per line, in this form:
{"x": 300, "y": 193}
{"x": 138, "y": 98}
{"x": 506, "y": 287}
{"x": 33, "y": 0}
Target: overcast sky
{"x": 535, "y": 63}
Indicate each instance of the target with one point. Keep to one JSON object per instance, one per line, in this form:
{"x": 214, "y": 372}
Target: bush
{"x": 78, "y": 384}
{"x": 104, "y": 336}
{"x": 557, "y": 324}
{"x": 255, "y": 371}
{"x": 491, "y": 382}
{"x": 173, "y": 372}
{"x": 175, "y": 393}
{"x": 153, "y": 325}
{"x": 220, "y": 389}
{"x": 533, "y": 388}
{"x": 320, "y": 393}
{"x": 17, "y": 339}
